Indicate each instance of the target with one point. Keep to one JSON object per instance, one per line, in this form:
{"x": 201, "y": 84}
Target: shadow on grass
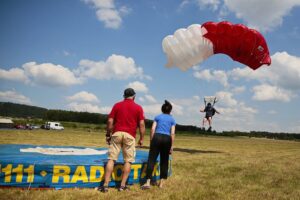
{"x": 191, "y": 151}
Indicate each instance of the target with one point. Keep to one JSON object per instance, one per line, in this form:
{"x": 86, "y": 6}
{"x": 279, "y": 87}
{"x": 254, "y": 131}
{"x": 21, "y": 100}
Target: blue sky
{"x": 80, "y": 55}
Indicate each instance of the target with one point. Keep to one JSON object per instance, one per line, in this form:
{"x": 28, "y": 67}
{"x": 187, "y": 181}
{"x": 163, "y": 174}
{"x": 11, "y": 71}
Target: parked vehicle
{"x": 20, "y": 126}
{"x": 54, "y": 126}
{"x": 32, "y": 126}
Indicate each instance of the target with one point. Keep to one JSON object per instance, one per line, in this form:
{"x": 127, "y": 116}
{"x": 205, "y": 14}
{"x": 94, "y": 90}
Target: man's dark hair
{"x": 129, "y": 92}
{"x": 166, "y": 108}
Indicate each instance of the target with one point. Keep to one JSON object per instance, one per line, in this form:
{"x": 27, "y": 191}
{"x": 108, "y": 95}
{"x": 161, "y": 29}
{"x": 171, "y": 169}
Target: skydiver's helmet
{"x": 209, "y": 105}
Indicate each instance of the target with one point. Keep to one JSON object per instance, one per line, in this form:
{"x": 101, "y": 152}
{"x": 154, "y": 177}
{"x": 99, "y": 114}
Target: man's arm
{"x": 109, "y": 129}
{"x": 142, "y": 132}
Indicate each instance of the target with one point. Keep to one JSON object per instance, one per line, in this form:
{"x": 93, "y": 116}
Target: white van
{"x": 54, "y": 126}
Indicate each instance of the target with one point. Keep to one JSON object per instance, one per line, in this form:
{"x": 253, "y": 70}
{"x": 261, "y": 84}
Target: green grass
{"x": 203, "y": 168}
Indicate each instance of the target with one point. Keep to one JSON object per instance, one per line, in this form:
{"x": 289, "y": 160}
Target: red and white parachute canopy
{"x": 191, "y": 46}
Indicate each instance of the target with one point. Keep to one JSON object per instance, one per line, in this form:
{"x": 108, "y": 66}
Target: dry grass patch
{"x": 203, "y": 168}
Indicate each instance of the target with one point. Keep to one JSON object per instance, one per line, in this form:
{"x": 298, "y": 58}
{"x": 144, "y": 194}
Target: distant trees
{"x": 19, "y": 110}
{"x": 71, "y": 116}
{"x": 262, "y": 134}
{"x": 24, "y": 111}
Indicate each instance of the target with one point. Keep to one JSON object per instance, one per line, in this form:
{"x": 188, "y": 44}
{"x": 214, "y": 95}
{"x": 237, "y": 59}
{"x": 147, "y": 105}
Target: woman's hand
{"x": 171, "y": 151}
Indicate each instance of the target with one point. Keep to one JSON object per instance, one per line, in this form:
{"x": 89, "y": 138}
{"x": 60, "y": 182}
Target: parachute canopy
{"x": 191, "y": 46}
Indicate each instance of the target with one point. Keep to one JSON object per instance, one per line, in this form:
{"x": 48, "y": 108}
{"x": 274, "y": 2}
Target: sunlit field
{"x": 203, "y": 167}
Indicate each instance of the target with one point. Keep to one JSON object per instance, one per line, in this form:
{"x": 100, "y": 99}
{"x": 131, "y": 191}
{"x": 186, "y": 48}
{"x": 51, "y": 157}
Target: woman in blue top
{"x": 161, "y": 141}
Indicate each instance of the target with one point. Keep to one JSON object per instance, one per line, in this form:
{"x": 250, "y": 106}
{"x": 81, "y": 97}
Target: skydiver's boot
{"x": 209, "y": 129}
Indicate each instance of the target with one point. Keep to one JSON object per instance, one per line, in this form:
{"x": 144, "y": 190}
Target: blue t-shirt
{"x": 164, "y": 124}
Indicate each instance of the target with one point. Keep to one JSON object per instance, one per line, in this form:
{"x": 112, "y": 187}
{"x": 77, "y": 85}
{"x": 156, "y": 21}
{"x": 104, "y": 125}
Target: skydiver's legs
{"x": 209, "y": 119}
{"x": 203, "y": 122}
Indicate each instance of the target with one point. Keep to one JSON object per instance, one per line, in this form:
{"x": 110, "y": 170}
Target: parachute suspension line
{"x": 210, "y": 99}
{"x": 215, "y": 100}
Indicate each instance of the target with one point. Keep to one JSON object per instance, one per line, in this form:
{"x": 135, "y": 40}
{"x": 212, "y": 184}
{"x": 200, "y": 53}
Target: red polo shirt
{"x": 127, "y": 115}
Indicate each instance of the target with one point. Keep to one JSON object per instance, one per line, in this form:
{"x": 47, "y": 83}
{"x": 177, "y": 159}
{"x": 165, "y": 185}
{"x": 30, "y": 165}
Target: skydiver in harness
{"x": 209, "y": 113}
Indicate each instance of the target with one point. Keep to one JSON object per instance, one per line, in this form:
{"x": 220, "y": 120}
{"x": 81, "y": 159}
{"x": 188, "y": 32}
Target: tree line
{"x": 8, "y": 109}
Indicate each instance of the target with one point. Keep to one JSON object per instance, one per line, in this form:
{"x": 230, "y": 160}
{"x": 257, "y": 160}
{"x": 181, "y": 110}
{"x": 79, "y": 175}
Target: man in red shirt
{"x": 125, "y": 117}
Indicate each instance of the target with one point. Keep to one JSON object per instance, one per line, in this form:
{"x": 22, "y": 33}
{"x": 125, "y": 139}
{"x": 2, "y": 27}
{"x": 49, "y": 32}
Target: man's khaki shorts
{"x": 126, "y": 142}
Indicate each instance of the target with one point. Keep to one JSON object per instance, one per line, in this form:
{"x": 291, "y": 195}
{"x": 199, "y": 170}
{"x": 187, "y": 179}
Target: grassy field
{"x": 203, "y": 168}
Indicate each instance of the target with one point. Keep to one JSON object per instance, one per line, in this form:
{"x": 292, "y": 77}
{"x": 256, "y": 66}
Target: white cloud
{"x": 285, "y": 70}
{"x": 267, "y": 92}
{"x": 87, "y": 107}
{"x": 177, "y": 109}
{"x": 152, "y": 110}
{"x": 14, "y": 74}
{"x": 282, "y": 78}
{"x": 13, "y": 96}
{"x": 226, "y": 98}
{"x": 263, "y": 15}
{"x": 138, "y": 86}
{"x": 107, "y": 12}
{"x": 86, "y": 102}
{"x": 294, "y": 127}
{"x": 141, "y": 99}
{"x": 150, "y": 98}
{"x": 238, "y": 89}
{"x": 212, "y": 4}
{"x": 197, "y": 98}
{"x": 183, "y": 4}
{"x": 47, "y": 74}
{"x": 83, "y": 96}
{"x": 235, "y": 115}
{"x": 187, "y": 101}
{"x": 50, "y": 74}
{"x": 215, "y": 75}
{"x": 246, "y": 73}
{"x": 115, "y": 67}
{"x": 186, "y": 110}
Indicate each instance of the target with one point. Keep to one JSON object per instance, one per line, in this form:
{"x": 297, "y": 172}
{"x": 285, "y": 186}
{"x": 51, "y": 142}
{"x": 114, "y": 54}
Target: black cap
{"x": 129, "y": 92}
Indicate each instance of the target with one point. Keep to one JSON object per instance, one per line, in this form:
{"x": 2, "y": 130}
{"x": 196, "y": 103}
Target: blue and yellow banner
{"x": 64, "y": 167}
